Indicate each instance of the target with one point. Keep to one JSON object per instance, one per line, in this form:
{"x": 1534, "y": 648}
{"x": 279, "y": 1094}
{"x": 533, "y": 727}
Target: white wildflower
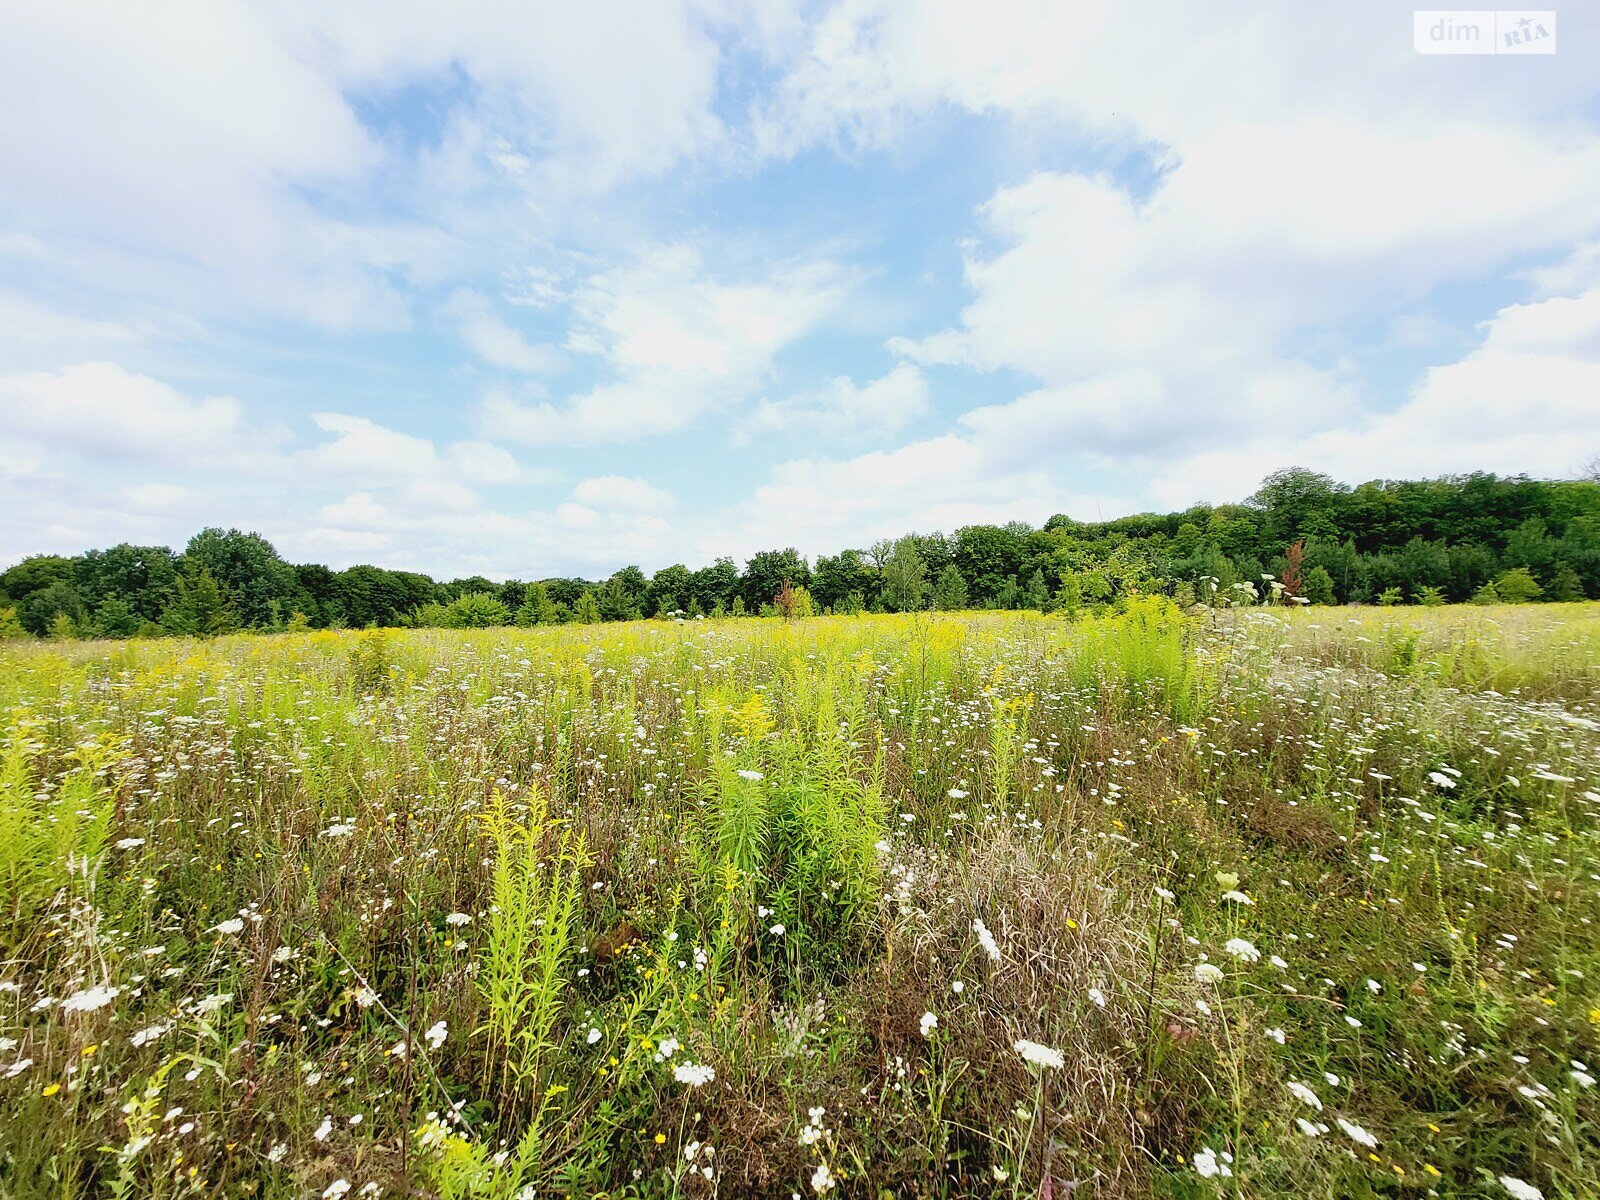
{"x": 1242, "y": 950}
{"x": 1356, "y": 1134}
{"x": 1520, "y": 1189}
{"x": 693, "y": 1074}
{"x": 986, "y": 939}
{"x": 1038, "y": 1055}
{"x": 90, "y": 999}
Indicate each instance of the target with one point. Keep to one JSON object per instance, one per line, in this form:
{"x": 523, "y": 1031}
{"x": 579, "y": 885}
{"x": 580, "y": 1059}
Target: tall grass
{"x": 755, "y": 908}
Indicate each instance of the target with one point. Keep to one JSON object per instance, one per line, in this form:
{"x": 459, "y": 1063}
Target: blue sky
{"x": 545, "y": 289}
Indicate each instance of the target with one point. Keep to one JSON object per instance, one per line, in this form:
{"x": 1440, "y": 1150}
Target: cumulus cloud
{"x": 677, "y": 339}
{"x": 842, "y": 408}
{"x": 620, "y": 493}
{"x": 98, "y": 410}
{"x": 496, "y": 342}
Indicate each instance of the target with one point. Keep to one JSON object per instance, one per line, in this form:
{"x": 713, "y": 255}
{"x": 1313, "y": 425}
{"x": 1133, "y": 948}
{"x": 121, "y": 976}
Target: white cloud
{"x": 100, "y": 411}
{"x": 164, "y": 498}
{"x": 497, "y": 343}
{"x": 266, "y": 195}
{"x": 619, "y": 493}
{"x": 841, "y": 408}
{"x": 1523, "y": 400}
{"x": 1167, "y": 317}
{"x": 364, "y": 452}
{"x": 678, "y": 340}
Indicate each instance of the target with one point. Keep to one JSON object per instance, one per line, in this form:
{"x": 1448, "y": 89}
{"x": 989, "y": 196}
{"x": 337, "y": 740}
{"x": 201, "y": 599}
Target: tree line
{"x": 1300, "y": 537}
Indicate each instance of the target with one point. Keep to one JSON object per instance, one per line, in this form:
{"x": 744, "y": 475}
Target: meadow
{"x": 1234, "y": 903}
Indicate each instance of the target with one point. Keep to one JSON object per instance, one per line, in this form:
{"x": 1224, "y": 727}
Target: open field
{"x": 1253, "y": 903}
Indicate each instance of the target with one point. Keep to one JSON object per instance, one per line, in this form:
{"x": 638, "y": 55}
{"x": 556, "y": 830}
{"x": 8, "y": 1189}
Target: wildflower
{"x": 1208, "y": 972}
{"x": 1209, "y": 1166}
{"x": 928, "y": 1023}
{"x": 1037, "y": 1055}
{"x": 230, "y": 926}
{"x": 1520, "y": 1189}
{"x": 956, "y": 794}
{"x": 1277, "y": 1035}
{"x": 129, "y": 843}
{"x": 693, "y": 1074}
{"x": 1440, "y": 780}
{"x": 336, "y": 1189}
{"x": 1582, "y": 1078}
{"x": 1238, "y": 897}
{"x": 1307, "y": 1128}
{"x": 594, "y": 1036}
{"x": 822, "y": 1179}
{"x": 322, "y": 1131}
{"x": 776, "y": 931}
{"x": 1356, "y": 1134}
{"x": 148, "y": 1034}
{"x": 457, "y": 919}
{"x": 365, "y": 996}
{"x": 1099, "y": 997}
{"x": 1227, "y": 880}
{"x": 436, "y": 1034}
{"x": 90, "y": 999}
{"x": 1305, "y": 1095}
{"x": 751, "y": 776}
{"x": 1242, "y": 950}
{"x": 986, "y": 939}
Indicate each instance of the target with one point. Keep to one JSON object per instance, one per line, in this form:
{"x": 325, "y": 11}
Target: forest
{"x": 1301, "y": 537}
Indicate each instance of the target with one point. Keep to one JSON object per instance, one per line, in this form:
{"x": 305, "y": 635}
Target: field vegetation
{"x": 1160, "y": 900}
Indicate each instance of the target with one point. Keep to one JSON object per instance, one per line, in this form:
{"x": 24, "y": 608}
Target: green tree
{"x": 839, "y": 575}
{"x": 40, "y": 608}
{"x": 587, "y": 610}
{"x": 476, "y": 610}
{"x": 767, "y": 571}
{"x": 1318, "y": 586}
{"x": 537, "y": 606}
{"x": 115, "y": 619}
{"x": 1036, "y": 595}
{"x": 140, "y": 577}
{"x": 1069, "y": 596}
{"x": 988, "y": 556}
{"x": 201, "y": 607}
{"x": 671, "y": 590}
{"x": 10, "y": 627}
{"x": 1486, "y": 595}
{"x": 1518, "y": 586}
{"x": 261, "y": 585}
{"x": 950, "y": 590}
{"x": 905, "y": 578}
{"x": 1565, "y": 585}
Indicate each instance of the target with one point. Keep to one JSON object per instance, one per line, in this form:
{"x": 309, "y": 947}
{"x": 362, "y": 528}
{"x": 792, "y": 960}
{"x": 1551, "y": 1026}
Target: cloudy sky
{"x": 531, "y": 289}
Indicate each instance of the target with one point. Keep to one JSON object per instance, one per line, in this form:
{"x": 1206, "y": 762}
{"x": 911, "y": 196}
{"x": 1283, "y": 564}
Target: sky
{"x": 535, "y": 289}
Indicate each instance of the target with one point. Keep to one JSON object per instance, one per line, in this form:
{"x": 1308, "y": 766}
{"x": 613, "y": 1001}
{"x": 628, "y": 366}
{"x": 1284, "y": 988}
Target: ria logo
{"x": 1484, "y": 31}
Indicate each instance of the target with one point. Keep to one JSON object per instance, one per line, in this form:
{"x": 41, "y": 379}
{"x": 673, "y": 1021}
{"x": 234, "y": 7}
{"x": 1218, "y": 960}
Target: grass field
{"x": 1254, "y": 904}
